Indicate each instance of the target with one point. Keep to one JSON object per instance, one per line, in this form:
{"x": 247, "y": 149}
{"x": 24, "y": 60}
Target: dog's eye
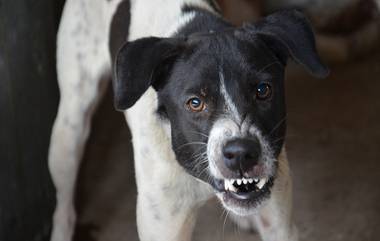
{"x": 195, "y": 104}
{"x": 263, "y": 91}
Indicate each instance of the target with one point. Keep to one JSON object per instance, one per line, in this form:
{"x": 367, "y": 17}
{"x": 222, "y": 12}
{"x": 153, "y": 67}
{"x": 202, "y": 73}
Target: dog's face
{"x": 224, "y": 99}
{"x": 223, "y": 95}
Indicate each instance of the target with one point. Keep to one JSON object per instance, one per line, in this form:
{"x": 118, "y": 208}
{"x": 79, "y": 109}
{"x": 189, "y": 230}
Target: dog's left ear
{"x": 140, "y": 64}
{"x": 289, "y": 34}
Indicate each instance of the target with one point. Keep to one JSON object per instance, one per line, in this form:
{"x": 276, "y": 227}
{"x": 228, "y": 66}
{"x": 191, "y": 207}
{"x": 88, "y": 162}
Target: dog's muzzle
{"x": 242, "y": 167}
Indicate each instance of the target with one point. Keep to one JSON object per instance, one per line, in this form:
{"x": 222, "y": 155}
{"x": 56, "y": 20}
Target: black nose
{"x": 241, "y": 154}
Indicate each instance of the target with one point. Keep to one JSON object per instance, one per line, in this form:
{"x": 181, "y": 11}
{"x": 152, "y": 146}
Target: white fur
{"x": 185, "y": 19}
{"x": 233, "y": 111}
{"x": 158, "y": 17}
{"x": 167, "y": 196}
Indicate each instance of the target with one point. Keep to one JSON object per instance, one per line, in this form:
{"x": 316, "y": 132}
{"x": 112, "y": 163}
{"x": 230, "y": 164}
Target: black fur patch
{"x": 119, "y": 27}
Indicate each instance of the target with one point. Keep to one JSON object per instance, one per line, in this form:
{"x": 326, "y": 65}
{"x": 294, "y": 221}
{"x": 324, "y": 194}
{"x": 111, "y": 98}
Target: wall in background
{"x": 28, "y": 104}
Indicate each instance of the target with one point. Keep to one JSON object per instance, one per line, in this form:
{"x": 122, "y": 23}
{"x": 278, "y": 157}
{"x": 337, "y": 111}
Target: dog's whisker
{"x": 267, "y": 66}
{"x": 222, "y": 214}
{"x": 196, "y": 155}
{"x": 205, "y": 169}
{"x": 277, "y": 126}
{"x": 202, "y": 161}
{"x": 191, "y": 143}
{"x": 199, "y": 165}
{"x": 237, "y": 230}
{"x": 209, "y": 177}
{"x": 201, "y": 152}
{"x": 199, "y": 159}
{"x": 278, "y": 140}
{"x": 200, "y": 133}
{"x": 225, "y": 221}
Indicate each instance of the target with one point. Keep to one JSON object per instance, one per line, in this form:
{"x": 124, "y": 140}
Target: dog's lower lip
{"x": 218, "y": 184}
{"x": 242, "y": 196}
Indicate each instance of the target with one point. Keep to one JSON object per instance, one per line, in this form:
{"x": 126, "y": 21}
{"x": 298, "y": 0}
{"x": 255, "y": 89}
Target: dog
{"x": 204, "y": 101}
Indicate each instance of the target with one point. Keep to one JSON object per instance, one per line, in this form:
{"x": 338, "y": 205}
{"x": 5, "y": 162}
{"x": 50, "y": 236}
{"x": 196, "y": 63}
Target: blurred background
{"x": 333, "y": 138}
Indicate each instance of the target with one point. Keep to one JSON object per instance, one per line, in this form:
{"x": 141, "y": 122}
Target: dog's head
{"x": 223, "y": 96}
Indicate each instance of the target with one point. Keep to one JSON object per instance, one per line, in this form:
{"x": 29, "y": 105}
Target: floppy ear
{"x": 140, "y": 64}
{"x": 289, "y": 34}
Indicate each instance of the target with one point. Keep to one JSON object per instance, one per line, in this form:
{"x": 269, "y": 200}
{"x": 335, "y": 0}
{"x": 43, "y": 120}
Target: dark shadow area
{"x": 28, "y": 103}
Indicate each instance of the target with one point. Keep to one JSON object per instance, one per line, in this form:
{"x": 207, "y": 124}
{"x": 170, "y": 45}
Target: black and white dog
{"x": 204, "y": 101}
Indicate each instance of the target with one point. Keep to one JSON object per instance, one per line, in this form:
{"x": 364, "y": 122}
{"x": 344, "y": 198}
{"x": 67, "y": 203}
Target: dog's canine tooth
{"x": 232, "y": 188}
{"x": 231, "y": 184}
{"x": 245, "y": 181}
{"x": 239, "y": 181}
{"x": 261, "y": 183}
{"x": 228, "y": 185}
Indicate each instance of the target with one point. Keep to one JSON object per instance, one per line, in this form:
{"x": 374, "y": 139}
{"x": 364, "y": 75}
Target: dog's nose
{"x": 242, "y": 154}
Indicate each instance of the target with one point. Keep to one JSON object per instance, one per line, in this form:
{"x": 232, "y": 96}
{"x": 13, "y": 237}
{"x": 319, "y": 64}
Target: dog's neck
{"x": 171, "y": 18}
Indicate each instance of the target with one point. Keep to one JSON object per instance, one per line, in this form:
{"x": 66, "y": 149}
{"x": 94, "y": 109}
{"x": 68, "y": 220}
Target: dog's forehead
{"x": 229, "y": 48}
{"x": 211, "y": 57}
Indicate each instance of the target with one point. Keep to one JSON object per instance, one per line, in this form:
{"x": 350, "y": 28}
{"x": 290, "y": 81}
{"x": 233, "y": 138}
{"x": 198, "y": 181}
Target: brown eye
{"x": 263, "y": 91}
{"x": 195, "y": 104}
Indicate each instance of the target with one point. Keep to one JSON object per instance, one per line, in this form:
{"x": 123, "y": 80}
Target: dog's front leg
{"x": 167, "y": 204}
{"x": 162, "y": 218}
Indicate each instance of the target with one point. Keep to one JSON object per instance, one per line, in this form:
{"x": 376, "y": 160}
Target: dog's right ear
{"x": 289, "y": 34}
{"x": 140, "y": 64}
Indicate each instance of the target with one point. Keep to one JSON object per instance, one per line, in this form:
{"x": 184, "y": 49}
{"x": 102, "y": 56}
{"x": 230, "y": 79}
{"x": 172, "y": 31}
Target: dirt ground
{"x": 333, "y": 145}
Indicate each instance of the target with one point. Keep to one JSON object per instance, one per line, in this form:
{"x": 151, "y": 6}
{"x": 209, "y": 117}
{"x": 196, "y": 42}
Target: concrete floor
{"x": 333, "y": 145}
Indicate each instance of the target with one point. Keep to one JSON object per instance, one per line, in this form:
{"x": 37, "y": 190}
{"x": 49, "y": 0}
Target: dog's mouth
{"x": 244, "y": 194}
{"x": 247, "y": 188}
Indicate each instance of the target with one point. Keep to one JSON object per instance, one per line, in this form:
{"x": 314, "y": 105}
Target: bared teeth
{"x": 232, "y": 188}
{"x": 231, "y": 184}
{"x": 228, "y": 185}
{"x": 261, "y": 183}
